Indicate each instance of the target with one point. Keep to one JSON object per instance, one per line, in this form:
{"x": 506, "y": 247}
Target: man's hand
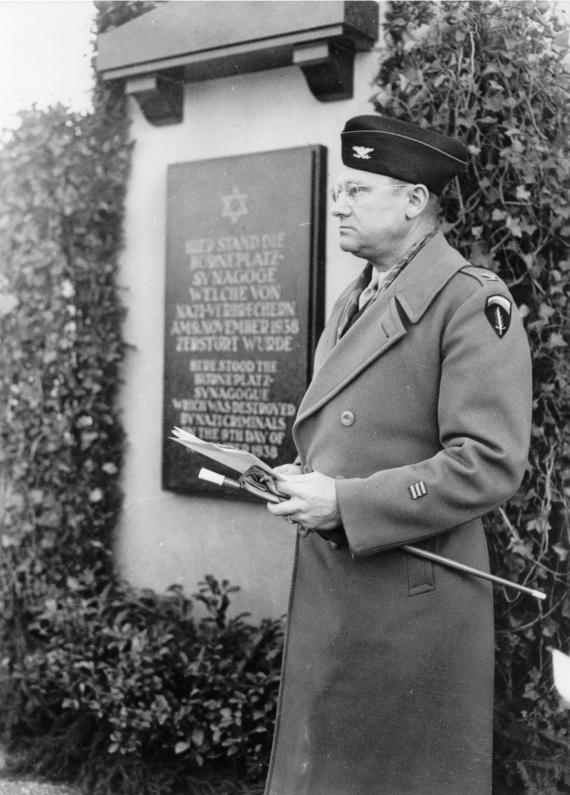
{"x": 312, "y": 502}
{"x": 287, "y": 469}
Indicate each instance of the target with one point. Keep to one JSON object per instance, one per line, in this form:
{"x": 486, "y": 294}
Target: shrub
{"x": 495, "y": 74}
{"x": 126, "y": 688}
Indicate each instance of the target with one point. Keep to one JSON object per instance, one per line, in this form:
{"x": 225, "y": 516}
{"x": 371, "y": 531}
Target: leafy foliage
{"x": 97, "y": 681}
{"x": 60, "y": 351}
{"x": 138, "y": 695}
{"x": 113, "y": 14}
{"x": 494, "y": 74}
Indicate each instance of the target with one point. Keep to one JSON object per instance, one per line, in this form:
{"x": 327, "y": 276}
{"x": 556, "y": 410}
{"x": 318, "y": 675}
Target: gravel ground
{"x": 32, "y": 788}
{"x": 27, "y": 786}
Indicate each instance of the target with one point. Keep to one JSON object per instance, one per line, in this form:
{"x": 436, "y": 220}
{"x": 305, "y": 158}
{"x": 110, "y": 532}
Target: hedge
{"x": 495, "y": 75}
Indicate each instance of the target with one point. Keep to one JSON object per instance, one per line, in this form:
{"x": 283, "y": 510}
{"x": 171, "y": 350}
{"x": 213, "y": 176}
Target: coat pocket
{"x": 421, "y": 577}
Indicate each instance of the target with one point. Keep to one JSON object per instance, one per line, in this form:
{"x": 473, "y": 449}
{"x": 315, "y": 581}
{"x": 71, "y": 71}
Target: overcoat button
{"x": 347, "y": 418}
{"x": 303, "y": 531}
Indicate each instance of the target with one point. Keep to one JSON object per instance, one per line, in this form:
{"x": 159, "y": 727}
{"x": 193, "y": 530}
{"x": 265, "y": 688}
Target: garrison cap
{"x": 403, "y": 151}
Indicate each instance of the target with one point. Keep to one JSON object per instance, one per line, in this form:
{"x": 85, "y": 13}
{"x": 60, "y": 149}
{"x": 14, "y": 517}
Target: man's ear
{"x": 418, "y": 198}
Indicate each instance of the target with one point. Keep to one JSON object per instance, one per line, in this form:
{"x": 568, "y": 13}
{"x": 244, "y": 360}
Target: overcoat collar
{"x": 426, "y": 275}
{"x": 381, "y": 325}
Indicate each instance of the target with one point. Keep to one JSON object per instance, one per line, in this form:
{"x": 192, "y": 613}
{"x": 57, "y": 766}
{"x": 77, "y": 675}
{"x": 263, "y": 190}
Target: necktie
{"x": 370, "y": 291}
{"x": 360, "y": 299}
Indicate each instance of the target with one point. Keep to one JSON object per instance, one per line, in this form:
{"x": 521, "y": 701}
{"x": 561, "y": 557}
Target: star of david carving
{"x": 234, "y": 205}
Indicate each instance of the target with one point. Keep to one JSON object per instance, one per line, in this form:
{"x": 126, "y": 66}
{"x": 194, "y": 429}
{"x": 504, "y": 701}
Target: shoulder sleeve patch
{"x": 498, "y": 310}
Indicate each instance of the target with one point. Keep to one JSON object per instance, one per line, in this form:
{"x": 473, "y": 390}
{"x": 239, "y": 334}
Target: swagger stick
{"x": 454, "y": 564}
{"x": 220, "y": 480}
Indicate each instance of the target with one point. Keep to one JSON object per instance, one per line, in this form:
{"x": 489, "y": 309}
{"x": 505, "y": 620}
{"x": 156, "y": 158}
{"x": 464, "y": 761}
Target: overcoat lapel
{"x": 376, "y": 331}
{"x": 381, "y": 325}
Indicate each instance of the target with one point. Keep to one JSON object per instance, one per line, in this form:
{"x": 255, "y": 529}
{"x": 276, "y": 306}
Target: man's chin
{"x": 346, "y": 243}
{"x": 346, "y": 239}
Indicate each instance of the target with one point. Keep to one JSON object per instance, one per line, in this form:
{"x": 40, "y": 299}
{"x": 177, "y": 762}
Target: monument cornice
{"x": 180, "y": 42}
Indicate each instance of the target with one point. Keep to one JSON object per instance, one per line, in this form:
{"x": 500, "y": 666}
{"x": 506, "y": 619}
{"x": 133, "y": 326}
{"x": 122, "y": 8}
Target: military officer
{"x": 416, "y": 424}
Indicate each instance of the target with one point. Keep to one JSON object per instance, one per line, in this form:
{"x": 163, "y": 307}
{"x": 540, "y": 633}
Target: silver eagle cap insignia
{"x": 362, "y": 152}
{"x": 498, "y": 313}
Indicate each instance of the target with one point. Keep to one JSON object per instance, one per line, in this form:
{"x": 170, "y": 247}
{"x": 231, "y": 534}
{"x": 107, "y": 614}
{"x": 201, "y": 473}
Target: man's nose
{"x": 341, "y": 207}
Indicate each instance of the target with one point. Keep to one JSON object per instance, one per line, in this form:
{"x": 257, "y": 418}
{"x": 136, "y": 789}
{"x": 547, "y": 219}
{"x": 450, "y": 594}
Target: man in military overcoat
{"x": 415, "y": 425}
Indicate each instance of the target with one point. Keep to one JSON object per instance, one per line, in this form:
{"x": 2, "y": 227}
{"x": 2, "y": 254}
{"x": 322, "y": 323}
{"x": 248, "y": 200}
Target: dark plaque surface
{"x": 244, "y": 304}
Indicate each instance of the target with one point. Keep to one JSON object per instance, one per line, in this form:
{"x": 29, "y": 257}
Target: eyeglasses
{"x": 359, "y": 194}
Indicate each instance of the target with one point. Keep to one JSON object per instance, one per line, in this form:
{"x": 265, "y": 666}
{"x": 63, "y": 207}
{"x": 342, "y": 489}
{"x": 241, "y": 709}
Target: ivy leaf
{"x": 556, "y": 341}
{"x": 561, "y": 41}
{"x": 8, "y": 303}
{"x": 561, "y": 551}
{"x": 96, "y": 495}
{"x": 522, "y": 194}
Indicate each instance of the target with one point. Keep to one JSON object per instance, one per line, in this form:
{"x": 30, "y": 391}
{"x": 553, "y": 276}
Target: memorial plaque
{"x": 244, "y": 304}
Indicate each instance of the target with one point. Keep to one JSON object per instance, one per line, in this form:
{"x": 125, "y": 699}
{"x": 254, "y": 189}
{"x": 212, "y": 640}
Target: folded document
{"x": 255, "y": 476}
{"x": 238, "y": 460}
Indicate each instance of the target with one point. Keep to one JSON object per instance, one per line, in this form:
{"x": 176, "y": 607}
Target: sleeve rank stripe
{"x": 418, "y": 490}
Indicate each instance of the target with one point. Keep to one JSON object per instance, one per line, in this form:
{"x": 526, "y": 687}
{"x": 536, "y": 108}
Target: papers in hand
{"x": 238, "y": 460}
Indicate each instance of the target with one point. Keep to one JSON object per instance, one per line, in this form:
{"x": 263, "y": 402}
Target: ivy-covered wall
{"x": 63, "y": 178}
{"x": 495, "y": 74}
